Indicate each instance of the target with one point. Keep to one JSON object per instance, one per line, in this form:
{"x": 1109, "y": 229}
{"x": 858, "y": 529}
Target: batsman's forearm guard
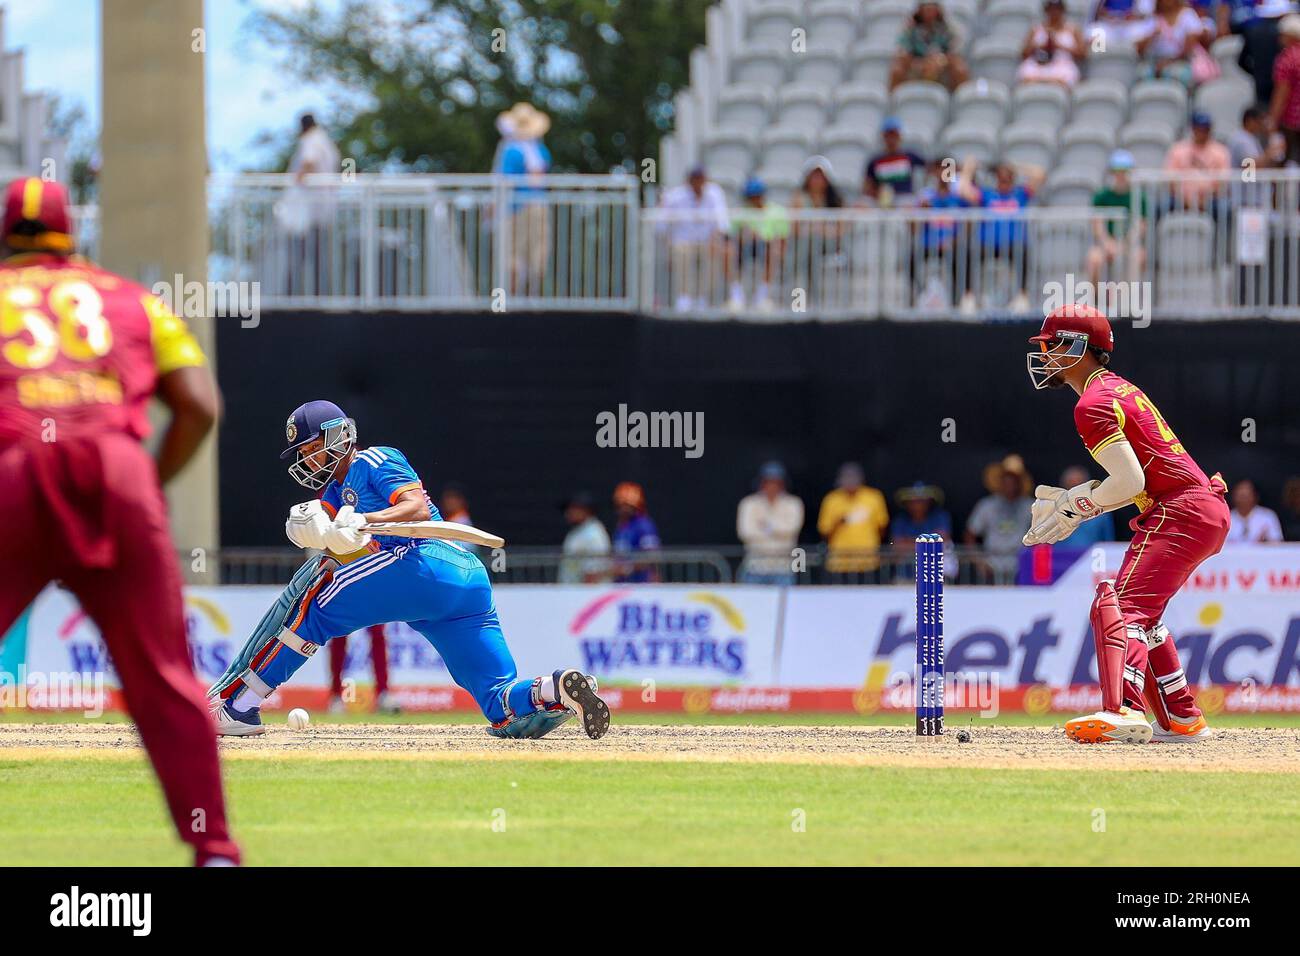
{"x": 273, "y": 622}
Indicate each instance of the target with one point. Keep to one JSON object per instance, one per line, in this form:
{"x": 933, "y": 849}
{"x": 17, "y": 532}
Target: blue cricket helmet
{"x": 318, "y": 419}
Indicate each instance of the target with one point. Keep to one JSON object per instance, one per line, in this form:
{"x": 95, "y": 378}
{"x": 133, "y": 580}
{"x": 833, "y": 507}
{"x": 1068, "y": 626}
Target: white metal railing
{"x": 869, "y": 263}
{"x": 424, "y": 242}
{"x": 85, "y": 227}
{"x": 1222, "y": 244}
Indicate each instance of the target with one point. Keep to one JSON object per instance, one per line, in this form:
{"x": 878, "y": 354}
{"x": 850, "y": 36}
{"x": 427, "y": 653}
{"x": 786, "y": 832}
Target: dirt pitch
{"x": 1259, "y": 750}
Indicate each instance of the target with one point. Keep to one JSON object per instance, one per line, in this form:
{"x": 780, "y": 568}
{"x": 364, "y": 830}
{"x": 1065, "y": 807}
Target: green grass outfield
{"x": 103, "y": 807}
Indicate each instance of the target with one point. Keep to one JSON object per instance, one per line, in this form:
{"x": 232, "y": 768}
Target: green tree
{"x": 418, "y": 84}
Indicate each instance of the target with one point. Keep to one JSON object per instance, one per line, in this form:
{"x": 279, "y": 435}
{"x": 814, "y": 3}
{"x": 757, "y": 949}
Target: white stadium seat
{"x": 961, "y": 141}
{"x": 886, "y": 18}
{"x": 834, "y": 21}
{"x": 847, "y": 147}
{"x": 1029, "y": 143}
{"x": 1117, "y": 62}
{"x": 731, "y": 150}
{"x": 996, "y": 58}
{"x": 921, "y": 106}
{"x": 783, "y": 150}
{"x": 803, "y": 108}
{"x": 744, "y": 107}
{"x": 1225, "y": 99}
{"x": 1185, "y": 272}
{"x": 822, "y": 67}
{"x": 1011, "y": 19}
{"x": 981, "y": 103}
{"x": 1147, "y": 142}
{"x": 1040, "y": 104}
{"x": 1086, "y": 147}
{"x": 870, "y": 61}
{"x": 1102, "y": 103}
{"x": 774, "y": 20}
{"x": 760, "y": 66}
{"x": 860, "y": 104}
{"x": 1160, "y": 103}
{"x": 1073, "y": 185}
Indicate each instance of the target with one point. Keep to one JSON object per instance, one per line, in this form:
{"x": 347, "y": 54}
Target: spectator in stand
{"x": 853, "y": 520}
{"x": 1194, "y": 157}
{"x": 1099, "y": 529}
{"x": 922, "y": 513}
{"x": 307, "y": 210}
{"x": 1173, "y": 50}
{"x": 768, "y": 523}
{"x": 945, "y": 242}
{"x": 454, "y": 506}
{"x": 1252, "y": 523}
{"x": 1003, "y": 237}
{"x": 1290, "y": 516}
{"x": 888, "y": 179}
{"x": 1257, "y": 21}
{"x": 1110, "y": 236}
{"x": 822, "y": 251}
{"x": 1001, "y": 519}
{"x": 634, "y": 535}
{"x": 1253, "y": 143}
{"x": 586, "y": 546}
{"x": 1284, "y": 110}
{"x": 1054, "y": 50}
{"x": 1121, "y": 21}
{"x": 928, "y": 50}
{"x": 384, "y": 702}
{"x": 524, "y": 155}
{"x": 696, "y": 237}
{"x": 817, "y": 186}
{"x": 315, "y": 152}
{"x": 759, "y": 232}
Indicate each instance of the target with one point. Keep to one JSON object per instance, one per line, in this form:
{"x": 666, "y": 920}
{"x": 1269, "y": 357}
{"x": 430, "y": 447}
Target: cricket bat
{"x": 446, "y": 530}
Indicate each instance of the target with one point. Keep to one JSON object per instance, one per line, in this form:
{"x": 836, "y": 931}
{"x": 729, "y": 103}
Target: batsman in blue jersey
{"x": 437, "y": 587}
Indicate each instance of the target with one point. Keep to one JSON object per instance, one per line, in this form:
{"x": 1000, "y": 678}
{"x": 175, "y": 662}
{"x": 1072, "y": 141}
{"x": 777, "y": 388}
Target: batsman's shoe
{"x": 1182, "y": 730}
{"x": 231, "y": 723}
{"x": 1126, "y": 726}
{"x": 578, "y": 693}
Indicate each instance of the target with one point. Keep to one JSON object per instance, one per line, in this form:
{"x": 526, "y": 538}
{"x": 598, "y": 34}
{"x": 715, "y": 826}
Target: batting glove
{"x": 345, "y": 535}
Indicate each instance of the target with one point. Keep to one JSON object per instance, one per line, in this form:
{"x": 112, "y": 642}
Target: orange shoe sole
{"x": 1094, "y": 731}
{"x": 1089, "y": 731}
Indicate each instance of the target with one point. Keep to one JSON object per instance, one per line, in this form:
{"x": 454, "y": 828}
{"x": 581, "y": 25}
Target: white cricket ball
{"x": 299, "y": 719}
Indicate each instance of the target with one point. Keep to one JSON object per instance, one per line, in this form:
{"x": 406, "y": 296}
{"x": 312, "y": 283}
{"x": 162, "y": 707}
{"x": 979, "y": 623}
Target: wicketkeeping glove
{"x": 1057, "y": 512}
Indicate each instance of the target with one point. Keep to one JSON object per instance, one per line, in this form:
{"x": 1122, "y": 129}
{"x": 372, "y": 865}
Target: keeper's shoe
{"x": 578, "y": 693}
{"x": 1126, "y": 726}
{"x": 231, "y": 723}
{"x": 1182, "y": 730}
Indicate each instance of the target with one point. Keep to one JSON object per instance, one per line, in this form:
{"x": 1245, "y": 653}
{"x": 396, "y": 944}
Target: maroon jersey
{"x": 81, "y": 349}
{"x": 1110, "y": 409}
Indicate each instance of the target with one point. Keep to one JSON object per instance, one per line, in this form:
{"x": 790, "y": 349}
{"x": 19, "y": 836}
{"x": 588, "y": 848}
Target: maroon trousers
{"x": 88, "y": 512}
{"x": 1171, "y": 541}
{"x": 378, "y": 659}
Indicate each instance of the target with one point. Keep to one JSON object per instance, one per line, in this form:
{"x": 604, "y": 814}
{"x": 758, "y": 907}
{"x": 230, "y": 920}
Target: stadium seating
{"x": 833, "y": 93}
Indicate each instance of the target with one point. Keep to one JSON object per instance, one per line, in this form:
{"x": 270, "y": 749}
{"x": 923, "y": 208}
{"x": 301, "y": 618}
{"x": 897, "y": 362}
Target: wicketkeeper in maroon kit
{"x": 1183, "y": 519}
{"x": 81, "y": 353}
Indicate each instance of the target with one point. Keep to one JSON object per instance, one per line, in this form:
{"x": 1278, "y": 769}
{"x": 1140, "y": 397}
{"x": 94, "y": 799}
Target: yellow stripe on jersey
{"x": 173, "y": 345}
{"x": 1106, "y": 442}
{"x": 1093, "y": 377}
